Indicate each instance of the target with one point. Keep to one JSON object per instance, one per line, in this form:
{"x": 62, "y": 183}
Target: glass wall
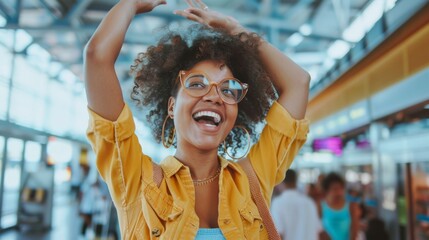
{"x": 1, "y": 156}
{"x": 420, "y": 199}
{"x": 38, "y": 92}
{"x": 32, "y": 156}
{"x": 5, "y": 68}
{"x": 12, "y": 182}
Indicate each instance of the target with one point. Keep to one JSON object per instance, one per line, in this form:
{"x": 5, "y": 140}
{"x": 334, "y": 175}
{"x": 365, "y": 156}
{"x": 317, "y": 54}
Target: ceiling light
{"x": 328, "y": 63}
{"x": 39, "y": 52}
{"x": 295, "y": 39}
{"x": 23, "y": 39}
{"x": 305, "y": 29}
{"x": 357, "y": 113}
{"x": 2, "y": 21}
{"x": 366, "y": 20}
{"x": 338, "y": 49}
{"x": 343, "y": 120}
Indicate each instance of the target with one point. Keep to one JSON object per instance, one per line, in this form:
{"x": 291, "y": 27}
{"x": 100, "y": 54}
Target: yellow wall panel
{"x": 387, "y": 71}
{"x": 418, "y": 52}
{"x": 354, "y": 91}
{"x": 325, "y": 106}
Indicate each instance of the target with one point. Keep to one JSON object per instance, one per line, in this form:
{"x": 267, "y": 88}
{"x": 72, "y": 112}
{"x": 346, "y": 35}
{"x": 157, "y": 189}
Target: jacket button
{"x": 156, "y": 232}
{"x": 227, "y": 221}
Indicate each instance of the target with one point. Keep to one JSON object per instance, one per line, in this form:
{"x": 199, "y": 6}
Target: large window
{"x": 4, "y": 96}
{"x": 80, "y": 114}
{"x": 12, "y": 182}
{"x": 60, "y": 100}
{"x": 44, "y": 95}
{"x": 5, "y": 73}
{"x": 32, "y": 156}
{"x": 5, "y": 62}
{"x": 1, "y": 155}
{"x": 28, "y": 94}
{"x": 7, "y": 38}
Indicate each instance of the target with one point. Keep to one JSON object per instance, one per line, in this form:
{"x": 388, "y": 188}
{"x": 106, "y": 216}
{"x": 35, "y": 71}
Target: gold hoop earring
{"x": 248, "y": 145}
{"x": 171, "y": 134}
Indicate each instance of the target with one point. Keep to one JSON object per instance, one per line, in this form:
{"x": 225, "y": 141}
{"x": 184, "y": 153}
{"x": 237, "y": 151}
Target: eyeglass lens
{"x": 230, "y": 90}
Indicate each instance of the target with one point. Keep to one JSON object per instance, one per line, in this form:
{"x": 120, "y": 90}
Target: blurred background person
{"x": 354, "y": 193}
{"x": 312, "y": 191}
{"x": 319, "y": 183}
{"x": 278, "y": 190}
{"x": 340, "y": 218}
{"x": 295, "y": 214}
{"x": 376, "y": 230}
{"x": 104, "y": 214}
{"x": 316, "y": 195}
{"x": 87, "y": 197}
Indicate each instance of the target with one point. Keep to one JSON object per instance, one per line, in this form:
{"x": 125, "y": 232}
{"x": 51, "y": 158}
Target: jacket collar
{"x": 172, "y": 165}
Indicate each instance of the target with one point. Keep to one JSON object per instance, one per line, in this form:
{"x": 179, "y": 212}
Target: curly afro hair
{"x": 156, "y": 71}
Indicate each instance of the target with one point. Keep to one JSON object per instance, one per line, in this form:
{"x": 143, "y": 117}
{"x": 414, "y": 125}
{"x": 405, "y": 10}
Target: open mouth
{"x": 208, "y": 118}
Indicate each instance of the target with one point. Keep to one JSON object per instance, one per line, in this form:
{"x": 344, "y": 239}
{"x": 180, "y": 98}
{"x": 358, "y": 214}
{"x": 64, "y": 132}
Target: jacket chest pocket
{"x": 252, "y": 222}
{"x": 163, "y": 214}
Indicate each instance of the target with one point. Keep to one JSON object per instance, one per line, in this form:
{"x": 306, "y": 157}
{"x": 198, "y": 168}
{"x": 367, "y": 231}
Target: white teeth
{"x": 214, "y": 115}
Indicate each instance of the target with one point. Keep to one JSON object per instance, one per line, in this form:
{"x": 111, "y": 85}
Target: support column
{"x": 385, "y": 179}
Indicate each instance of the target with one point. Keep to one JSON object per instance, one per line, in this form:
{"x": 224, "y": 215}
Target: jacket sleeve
{"x": 279, "y": 143}
{"x": 119, "y": 156}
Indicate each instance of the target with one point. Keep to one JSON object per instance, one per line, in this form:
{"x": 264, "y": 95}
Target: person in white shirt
{"x": 294, "y": 214}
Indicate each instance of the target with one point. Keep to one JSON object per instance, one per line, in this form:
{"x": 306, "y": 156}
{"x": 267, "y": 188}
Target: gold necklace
{"x": 208, "y": 180}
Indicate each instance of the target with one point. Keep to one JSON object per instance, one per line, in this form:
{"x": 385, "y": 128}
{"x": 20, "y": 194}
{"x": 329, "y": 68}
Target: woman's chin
{"x": 207, "y": 146}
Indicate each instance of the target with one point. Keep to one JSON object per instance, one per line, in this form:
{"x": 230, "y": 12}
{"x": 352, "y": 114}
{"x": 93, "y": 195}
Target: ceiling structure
{"x": 314, "y": 33}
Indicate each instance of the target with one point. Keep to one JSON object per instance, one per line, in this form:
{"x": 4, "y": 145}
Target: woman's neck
{"x": 201, "y": 163}
{"x": 336, "y": 203}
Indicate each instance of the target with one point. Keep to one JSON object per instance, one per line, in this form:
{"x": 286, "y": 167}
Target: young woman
{"x": 340, "y": 218}
{"x": 198, "y": 86}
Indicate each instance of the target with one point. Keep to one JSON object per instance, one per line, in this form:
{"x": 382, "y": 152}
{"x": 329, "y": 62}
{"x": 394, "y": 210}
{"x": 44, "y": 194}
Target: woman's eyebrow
{"x": 222, "y": 66}
{"x": 211, "y": 75}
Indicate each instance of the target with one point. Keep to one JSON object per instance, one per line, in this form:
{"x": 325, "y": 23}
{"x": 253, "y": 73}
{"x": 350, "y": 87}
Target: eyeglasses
{"x": 197, "y": 84}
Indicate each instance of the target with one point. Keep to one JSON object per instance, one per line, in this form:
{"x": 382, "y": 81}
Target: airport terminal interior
{"x": 368, "y": 107}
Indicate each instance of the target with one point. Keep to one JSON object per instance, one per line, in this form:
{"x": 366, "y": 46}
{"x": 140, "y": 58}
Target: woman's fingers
{"x": 197, "y": 4}
{"x": 201, "y": 4}
{"x": 193, "y": 11}
{"x": 196, "y": 11}
{"x": 190, "y": 3}
{"x": 189, "y": 16}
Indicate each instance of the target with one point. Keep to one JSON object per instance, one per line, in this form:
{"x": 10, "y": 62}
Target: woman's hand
{"x": 199, "y": 12}
{"x": 143, "y": 6}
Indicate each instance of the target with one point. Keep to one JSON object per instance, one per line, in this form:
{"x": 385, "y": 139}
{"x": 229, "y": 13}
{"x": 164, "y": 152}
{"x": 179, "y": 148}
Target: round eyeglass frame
{"x": 211, "y": 83}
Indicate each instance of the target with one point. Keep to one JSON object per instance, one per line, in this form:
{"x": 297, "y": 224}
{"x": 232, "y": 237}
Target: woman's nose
{"x": 213, "y": 95}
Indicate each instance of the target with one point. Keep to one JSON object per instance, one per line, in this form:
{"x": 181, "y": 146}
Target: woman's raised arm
{"x": 290, "y": 80}
{"x": 102, "y": 86}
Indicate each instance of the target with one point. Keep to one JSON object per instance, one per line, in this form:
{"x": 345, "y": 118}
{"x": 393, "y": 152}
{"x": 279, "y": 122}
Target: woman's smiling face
{"x": 196, "y": 118}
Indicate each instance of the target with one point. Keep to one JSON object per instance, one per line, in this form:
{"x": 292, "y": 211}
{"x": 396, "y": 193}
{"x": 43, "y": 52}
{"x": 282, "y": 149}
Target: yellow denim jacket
{"x": 168, "y": 212}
